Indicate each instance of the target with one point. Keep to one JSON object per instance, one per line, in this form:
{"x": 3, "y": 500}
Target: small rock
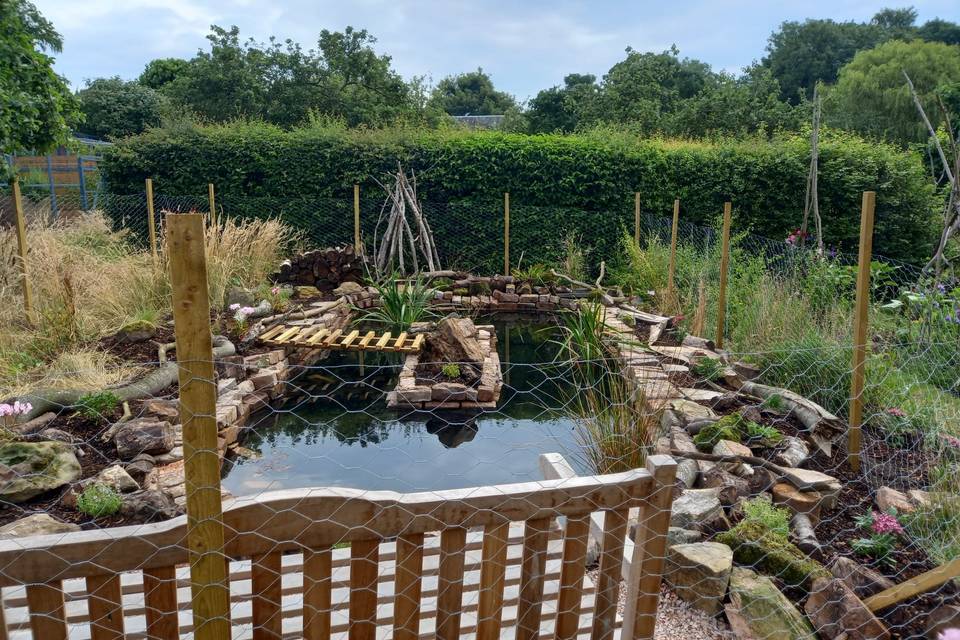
{"x": 809, "y": 480}
{"x": 836, "y": 612}
{"x": 147, "y": 506}
{"x": 240, "y": 296}
{"x": 117, "y": 477}
{"x": 746, "y": 371}
{"x": 59, "y": 435}
{"x": 731, "y": 448}
{"x": 858, "y": 577}
{"x": 919, "y": 498}
{"x": 37, "y": 524}
{"x": 163, "y": 407}
{"x": 888, "y": 499}
{"x": 676, "y": 535}
{"x": 731, "y": 488}
{"x": 699, "y": 573}
{"x": 764, "y": 611}
{"x": 140, "y": 466}
{"x": 348, "y": 289}
{"x": 696, "y": 508}
{"x": 691, "y": 410}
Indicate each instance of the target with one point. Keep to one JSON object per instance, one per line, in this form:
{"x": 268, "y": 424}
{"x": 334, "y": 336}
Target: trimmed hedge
{"x": 548, "y": 176}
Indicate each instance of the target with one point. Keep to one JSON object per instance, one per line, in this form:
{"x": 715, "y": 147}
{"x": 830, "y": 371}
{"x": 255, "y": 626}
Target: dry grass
{"x": 89, "y": 282}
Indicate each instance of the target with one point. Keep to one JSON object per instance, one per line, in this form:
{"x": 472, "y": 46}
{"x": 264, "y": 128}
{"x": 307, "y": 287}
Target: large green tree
{"x": 162, "y": 71}
{"x": 36, "y": 106}
{"x": 938, "y": 30}
{"x": 470, "y": 93}
{"x": 871, "y": 96}
{"x": 113, "y": 108}
{"x": 562, "y": 108}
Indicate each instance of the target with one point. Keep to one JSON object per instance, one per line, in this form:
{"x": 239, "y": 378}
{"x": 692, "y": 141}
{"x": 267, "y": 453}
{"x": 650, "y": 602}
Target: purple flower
{"x": 949, "y": 634}
{"x": 234, "y": 306}
{"x": 886, "y": 523}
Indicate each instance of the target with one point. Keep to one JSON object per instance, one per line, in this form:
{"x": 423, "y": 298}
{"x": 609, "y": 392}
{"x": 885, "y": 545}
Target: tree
{"x": 871, "y": 96}
{"x": 800, "y": 54}
{"x": 561, "y": 108}
{"x": 113, "y": 108}
{"x": 162, "y": 71}
{"x": 938, "y": 30}
{"x": 37, "y": 106}
{"x": 470, "y": 93}
{"x": 896, "y": 23}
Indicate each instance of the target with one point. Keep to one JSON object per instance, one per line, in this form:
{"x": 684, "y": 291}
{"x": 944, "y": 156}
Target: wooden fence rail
{"x": 438, "y": 564}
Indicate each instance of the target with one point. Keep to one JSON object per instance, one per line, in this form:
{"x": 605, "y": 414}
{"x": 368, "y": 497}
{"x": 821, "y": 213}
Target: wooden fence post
{"x": 506, "y": 233}
{"x": 636, "y": 218}
{"x": 724, "y": 267}
{"x": 649, "y": 552}
{"x": 151, "y": 224}
{"x": 198, "y": 408}
{"x": 673, "y": 244}
{"x": 356, "y": 220}
{"x": 860, "y": 328}
{"x": 22, "y": 250}
{"x": 213, "y": 204}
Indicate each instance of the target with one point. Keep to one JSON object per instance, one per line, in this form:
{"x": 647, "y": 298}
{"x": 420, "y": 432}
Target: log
{"x": 824, "y": 427}
{"x": 326, "y": 269}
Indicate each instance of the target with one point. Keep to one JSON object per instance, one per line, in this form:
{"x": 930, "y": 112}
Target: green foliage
{"x": 471, "y": 170}
{"x": 470, "y": 93}
{"x": 736, "y": 428}
{"x": 401, "y": 304}
{"x": 872, "y": 98}
{"x": 38, "y": 107}
{"x": 98, "y": 405}
{"x": 771, "y": 553}
{"x": 99, "y": 500}
{"x": 710, "y": 369}
{"x": 537, "y": 274}
{"x": 113, "y": 108}
{"x": 162, "y": 71}
{"x": 450, "y": 370}
{"x": 562, "y": 108}
{"x": 761, "y": 434}
{"x": 814, "y": 366}
{"x": 761, "y": 511}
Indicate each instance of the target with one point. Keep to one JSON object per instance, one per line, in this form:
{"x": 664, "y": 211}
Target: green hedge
{"x": 548, "y": 176}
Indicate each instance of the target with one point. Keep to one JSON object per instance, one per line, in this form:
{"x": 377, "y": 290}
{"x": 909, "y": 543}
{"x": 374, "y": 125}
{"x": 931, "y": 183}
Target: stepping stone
{"x": 699, "y": 574}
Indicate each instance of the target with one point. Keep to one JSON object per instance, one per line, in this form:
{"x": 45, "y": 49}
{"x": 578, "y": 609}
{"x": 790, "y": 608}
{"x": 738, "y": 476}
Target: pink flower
{"x": 949, "y": 634}
{"x": 275, "y": 291}
{"x": 234, "y": 306}
{"x": 952, "y": 441}
{"x": 896, "y": 412}
{"x": 886, "y": 523}
{"x": 16, "y": 409}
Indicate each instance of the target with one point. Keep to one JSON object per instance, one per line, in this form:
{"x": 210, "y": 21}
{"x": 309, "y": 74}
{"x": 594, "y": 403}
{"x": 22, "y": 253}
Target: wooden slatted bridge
{"x": 314, "y": 337}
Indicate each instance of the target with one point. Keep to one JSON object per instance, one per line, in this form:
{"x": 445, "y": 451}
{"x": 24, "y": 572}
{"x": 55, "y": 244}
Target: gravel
{"x": 676, "y": 620}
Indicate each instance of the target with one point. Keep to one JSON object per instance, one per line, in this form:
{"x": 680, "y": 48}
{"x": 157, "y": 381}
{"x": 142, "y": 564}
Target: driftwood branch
{"x": 775, "y": 469}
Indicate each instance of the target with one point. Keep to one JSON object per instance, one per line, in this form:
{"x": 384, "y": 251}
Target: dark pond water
{"x": 340, "y": 432}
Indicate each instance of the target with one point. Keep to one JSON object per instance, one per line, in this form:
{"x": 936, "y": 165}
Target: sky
{"x": 525, "y": 46}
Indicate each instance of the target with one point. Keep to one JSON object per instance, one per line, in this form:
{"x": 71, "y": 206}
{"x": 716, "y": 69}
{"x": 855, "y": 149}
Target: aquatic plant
{"x": 401, "y": 303}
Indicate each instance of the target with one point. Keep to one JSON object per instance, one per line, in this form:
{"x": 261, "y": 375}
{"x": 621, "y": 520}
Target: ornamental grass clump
{"x": 401, "y": 303}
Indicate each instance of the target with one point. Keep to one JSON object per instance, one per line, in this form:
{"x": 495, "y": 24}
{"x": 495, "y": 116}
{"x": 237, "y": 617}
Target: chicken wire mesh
{"x": 302, "y": 561}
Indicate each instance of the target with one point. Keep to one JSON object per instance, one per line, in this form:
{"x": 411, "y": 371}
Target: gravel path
{"x": 676, "y": 620}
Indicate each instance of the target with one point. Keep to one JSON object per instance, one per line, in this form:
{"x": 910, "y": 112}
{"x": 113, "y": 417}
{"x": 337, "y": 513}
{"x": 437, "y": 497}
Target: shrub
{"x": 710, "y": 369}
{"x": 99, "y": 500}
{"x": 738, "y": 429}
{"x": 451, "y": 370}
{"x": 98, "y": 405}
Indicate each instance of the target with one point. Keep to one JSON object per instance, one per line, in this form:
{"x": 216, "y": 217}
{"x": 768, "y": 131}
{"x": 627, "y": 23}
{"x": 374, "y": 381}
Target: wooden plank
{"x": 649, "y": 551}
{"x": 351, "y": 337}
{"x": 535, "y": 538}
{"x": 417, "y": 343}
{"x": 861, "y": 318}
{"x": 21, "y": 225}
{"x": 330, "y": 341}
{"x": 382, "y": 342}
{"x": 365, "y": 341}
{"x": 265, "y": 597}
{"x": 724, "y": 268}
{"x": 287, "y": 335}
{"x": 317, "y": 337}
{"x": 292, "y": 519}
{"x": 317, "y": 567}
{"x": 408, "y": 571}
{"x": 673, "y": 246}
{"x": 273, "y": 331}
{"x": 151, "y": 223}
{"x": 198, "y": 409}
{"x": 571, "y": 577}
{"x": 104, "y": 607}
{"x": 493, "y": 566}
{"x": 453, "y": 542}
{"x": 47, "y": 621}
{"x": 160, "y": 599}
{"x": 914, "y": 586}
{"x": 398, "y": 344}
{"x": 608, "y": 578}
{"x": 364, "y": 555}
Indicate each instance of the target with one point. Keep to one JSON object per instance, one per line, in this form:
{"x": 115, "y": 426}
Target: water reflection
{"x": 342, "y": 434}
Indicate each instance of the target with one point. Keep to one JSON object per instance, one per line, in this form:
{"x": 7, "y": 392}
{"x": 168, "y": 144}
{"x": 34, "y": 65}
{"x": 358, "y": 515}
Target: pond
{"x": 340, "y": 432}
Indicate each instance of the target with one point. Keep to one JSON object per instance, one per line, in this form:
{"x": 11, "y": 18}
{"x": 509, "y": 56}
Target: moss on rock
{"x": 771, "y": 553}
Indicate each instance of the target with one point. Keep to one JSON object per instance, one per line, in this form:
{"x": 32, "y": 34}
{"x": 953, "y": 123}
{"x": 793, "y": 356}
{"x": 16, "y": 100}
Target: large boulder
{"x": 37, "y": 524}
{"x": 28, "y": 469}
{"x": 758, "y": 609}
{"x": 144, "y": 435}
{"x": 836, "y": 612}
{"x": 455, "y": 340}
{"x": 699, "y": 574}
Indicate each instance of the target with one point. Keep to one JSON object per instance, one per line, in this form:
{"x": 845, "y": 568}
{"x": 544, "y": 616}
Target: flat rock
{"x": 731, "y": 448}
{"x": 28, "y": 469}
{"x": 699, "y": 574}
{"x": 730, "y": 488}
{"x": 676, "y": 535}
{"x": 690, "y": 409}
{"x": 807, "y": 480}
{"x": 888, "y": 499}
{"x": 805, "y": 502}
{"x": 764, "y": 612}
{"x": 699, "y": 395}
{"x": 836, "y": 612}
{"x": 148, "y": 506}
{"x": 695, "y": 508}
{"x": 37, "y": 524}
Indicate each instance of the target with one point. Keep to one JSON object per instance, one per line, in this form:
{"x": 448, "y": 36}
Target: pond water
{"x": 340, "y": 432}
